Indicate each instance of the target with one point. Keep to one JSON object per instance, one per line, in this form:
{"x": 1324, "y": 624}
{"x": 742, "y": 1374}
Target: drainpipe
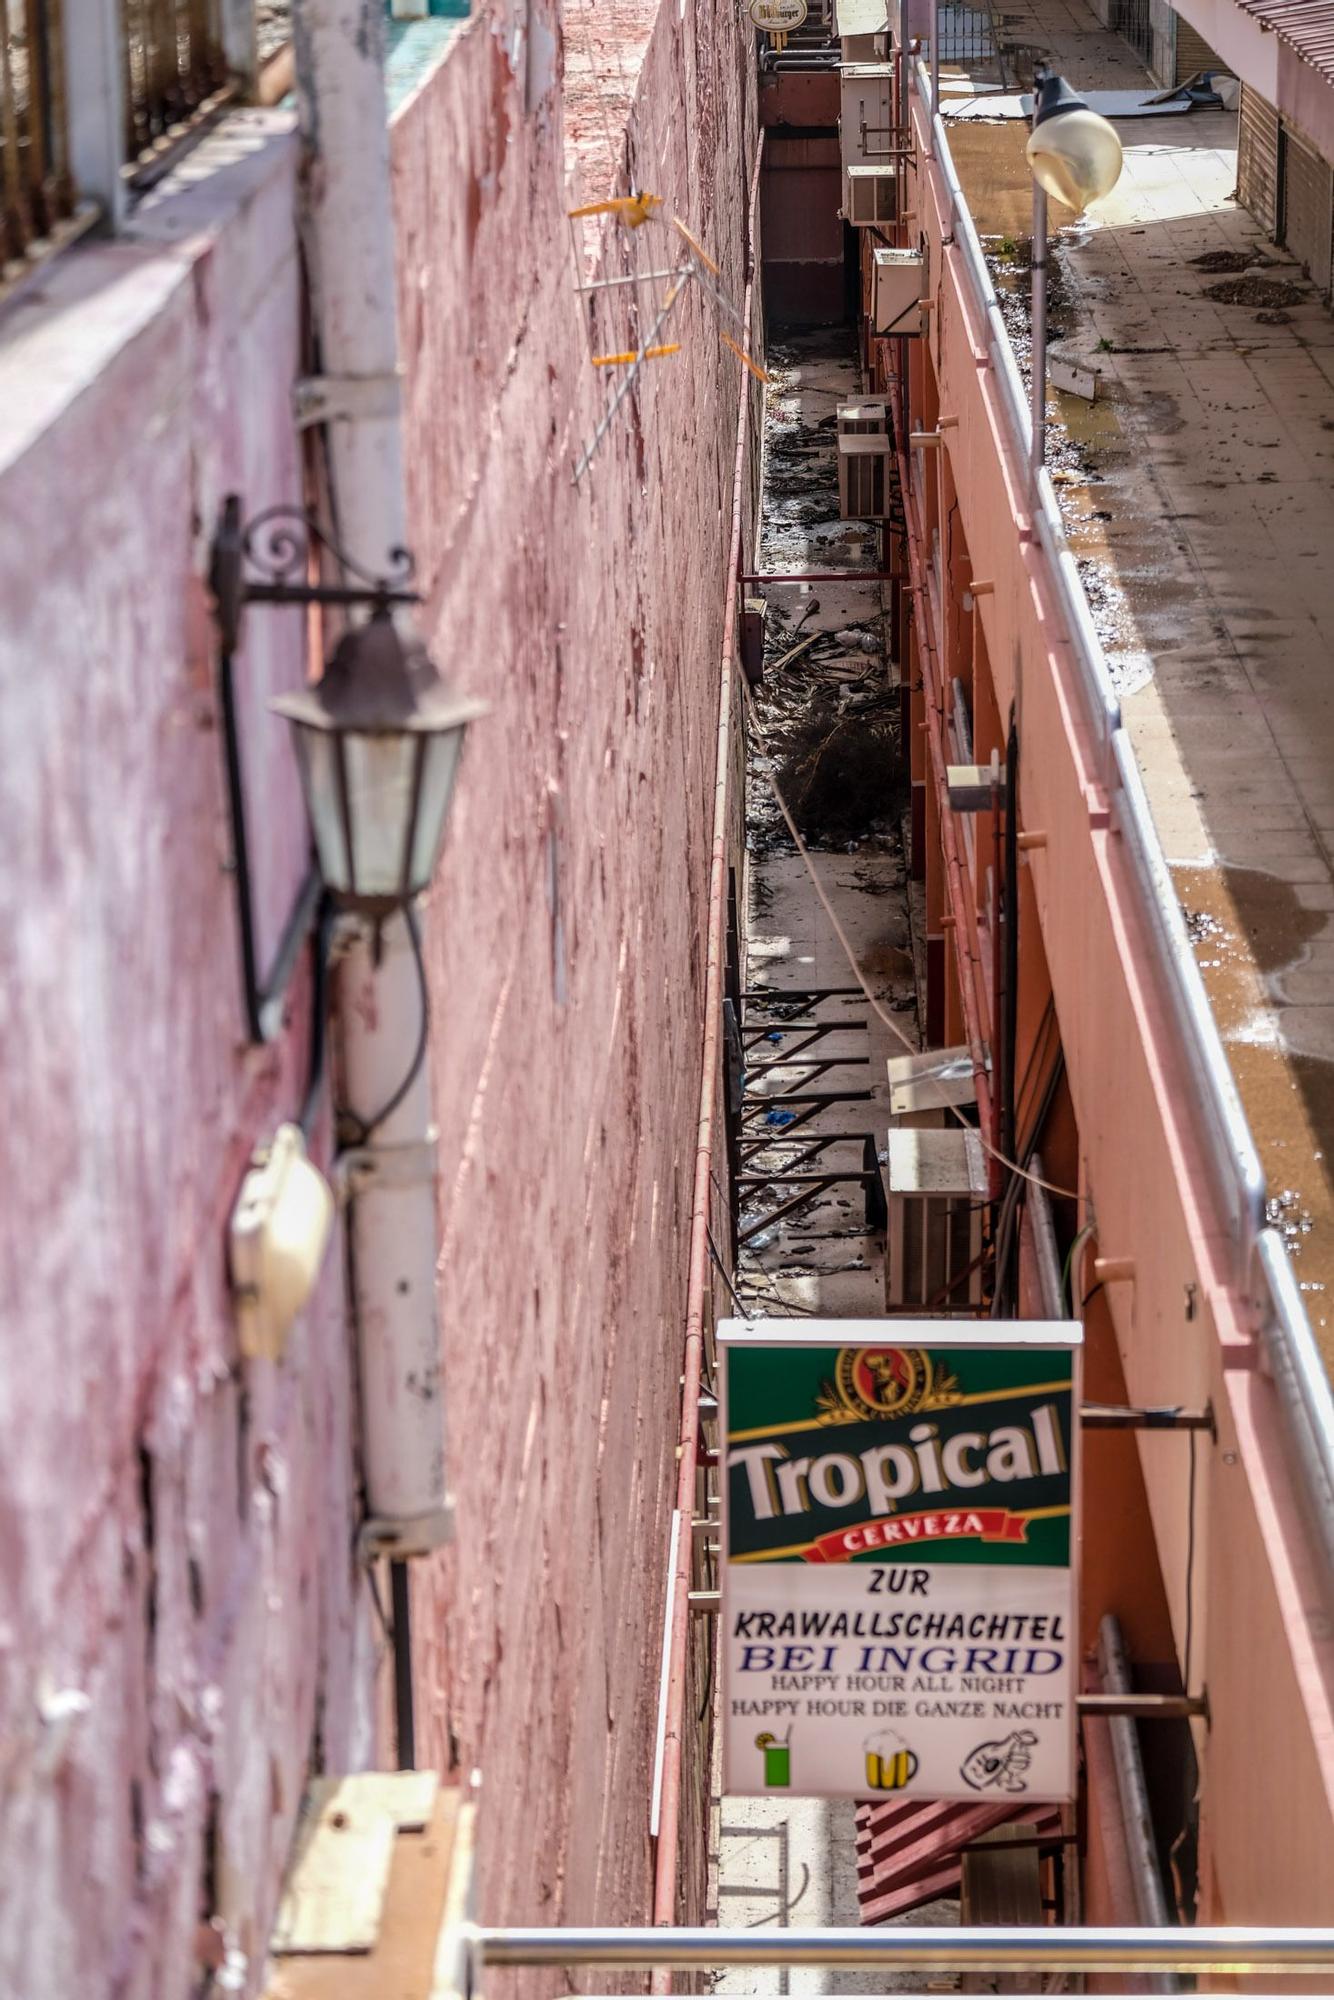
{"x": 348, "y": 235}
{"x": 1146, "y": 1877}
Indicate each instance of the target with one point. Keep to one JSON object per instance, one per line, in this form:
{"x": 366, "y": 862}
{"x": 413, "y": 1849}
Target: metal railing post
{"x": 95, "y": 103}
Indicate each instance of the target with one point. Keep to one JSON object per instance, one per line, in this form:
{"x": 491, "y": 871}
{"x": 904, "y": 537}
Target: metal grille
{"x": 34, "y": 180}
{"x": 966, "y": 37}
{"x": 1131, "y": 19}
{"x": 173, "y": 65}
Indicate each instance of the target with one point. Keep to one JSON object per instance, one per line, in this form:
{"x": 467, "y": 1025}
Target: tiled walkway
{"x": 1200, "y": 496}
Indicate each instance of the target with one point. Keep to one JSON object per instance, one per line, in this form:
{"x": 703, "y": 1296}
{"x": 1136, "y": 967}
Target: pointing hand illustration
{"x": 1000, "y": 1766}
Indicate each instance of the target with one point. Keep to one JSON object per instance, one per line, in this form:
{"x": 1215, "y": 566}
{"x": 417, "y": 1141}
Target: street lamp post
{"x": 1076, "y": 157}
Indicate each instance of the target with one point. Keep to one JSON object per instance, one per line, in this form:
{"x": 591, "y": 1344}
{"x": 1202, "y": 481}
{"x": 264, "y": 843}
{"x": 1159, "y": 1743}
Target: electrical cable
{"x": 319, "y": 1026}
{"x": 877, "y": 1006}
{"x": 1081, "y": 1237}
{"x": 363, "y": 1130}
{"x": 1190, "y": 1572}
{"x": 721, "y": 1269}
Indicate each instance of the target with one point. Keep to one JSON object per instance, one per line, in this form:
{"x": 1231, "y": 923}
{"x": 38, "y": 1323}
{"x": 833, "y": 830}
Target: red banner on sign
{"x": 892, "y": 1531}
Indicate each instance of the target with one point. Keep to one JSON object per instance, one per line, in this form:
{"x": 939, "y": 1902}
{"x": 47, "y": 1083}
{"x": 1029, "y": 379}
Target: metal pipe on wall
{"x": 348, "y": 236}
{"x": 673, "y": 1708}
{"x": 1146, "y": 1878}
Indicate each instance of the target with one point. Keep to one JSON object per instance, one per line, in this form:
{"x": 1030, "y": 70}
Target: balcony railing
{"x": 34, "y": 174}
{"x": 174, "y": 67}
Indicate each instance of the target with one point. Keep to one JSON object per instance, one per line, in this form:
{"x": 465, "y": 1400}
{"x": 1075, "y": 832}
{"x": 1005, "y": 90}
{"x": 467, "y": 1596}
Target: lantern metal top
{"x": 378, "y": 684}
{"x": 1052, "y": 96}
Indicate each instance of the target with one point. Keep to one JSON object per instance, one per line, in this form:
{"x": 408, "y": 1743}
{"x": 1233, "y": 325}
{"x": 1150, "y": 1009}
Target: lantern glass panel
{"x": 317, "y": 752}
{"x": 440, "y": 760}
{"x": 381, "y": 796}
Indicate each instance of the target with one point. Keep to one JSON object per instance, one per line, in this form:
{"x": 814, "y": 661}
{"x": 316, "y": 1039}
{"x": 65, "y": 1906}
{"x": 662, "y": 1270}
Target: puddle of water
{"x": 1248, "y": 928}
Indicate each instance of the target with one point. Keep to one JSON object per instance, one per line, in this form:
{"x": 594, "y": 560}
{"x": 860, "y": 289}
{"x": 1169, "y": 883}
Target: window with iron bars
{"x": 34, "y": 169}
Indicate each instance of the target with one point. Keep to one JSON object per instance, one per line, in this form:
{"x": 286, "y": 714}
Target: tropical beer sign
{"x": 898, "y": 1583}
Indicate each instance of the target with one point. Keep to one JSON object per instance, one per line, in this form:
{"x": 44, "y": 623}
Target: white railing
{"x": 1262, "y": 1271}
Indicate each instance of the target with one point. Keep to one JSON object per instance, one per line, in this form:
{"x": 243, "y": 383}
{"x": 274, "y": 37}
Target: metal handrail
{"x": 1262, "y": 1266}
{"x": 922, "y": 1947}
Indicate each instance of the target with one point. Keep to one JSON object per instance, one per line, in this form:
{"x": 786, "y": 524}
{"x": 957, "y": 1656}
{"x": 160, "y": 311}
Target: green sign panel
{"x": 898, "y": 1596}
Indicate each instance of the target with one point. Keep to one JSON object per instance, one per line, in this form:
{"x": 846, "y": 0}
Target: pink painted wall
{"x": 174, "y": 1527}
{"x": 177, "y": 1526}
{"x": 1261, "y": 1644}
{"x": 567, "y": 928}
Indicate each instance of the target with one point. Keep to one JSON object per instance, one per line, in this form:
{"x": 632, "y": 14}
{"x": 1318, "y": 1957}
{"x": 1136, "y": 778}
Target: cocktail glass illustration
{"x": 777, "y": 1754}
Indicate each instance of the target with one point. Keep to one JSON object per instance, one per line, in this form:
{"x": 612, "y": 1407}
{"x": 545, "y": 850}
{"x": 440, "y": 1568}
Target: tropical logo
{"x": 871, "y": 1383}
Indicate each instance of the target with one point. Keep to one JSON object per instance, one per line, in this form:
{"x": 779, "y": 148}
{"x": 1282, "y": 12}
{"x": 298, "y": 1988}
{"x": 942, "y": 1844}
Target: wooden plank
{"x": 408, "y": 1797}
{"x": 427, "y": 1882}
{"x": 337, "y": 1880}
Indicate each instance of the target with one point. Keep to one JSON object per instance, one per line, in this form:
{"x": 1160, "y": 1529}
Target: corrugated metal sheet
{"x": 1305, "y": 25}
{"x": 1257, "y": 159}
{"x": 909, "y": 1854}
{"x": 1308, "y": 208}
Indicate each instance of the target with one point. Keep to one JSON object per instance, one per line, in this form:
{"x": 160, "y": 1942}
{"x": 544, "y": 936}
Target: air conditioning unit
{"x": 936, "y": 1193}
{"x": 871, "y": 196}
{"x": 864, "y": 489}
{"x": 866, "y": 114}
{"x": 925, "y": 1090}
{"x": 898, "y": 280}
{"x": 861, "y": 419}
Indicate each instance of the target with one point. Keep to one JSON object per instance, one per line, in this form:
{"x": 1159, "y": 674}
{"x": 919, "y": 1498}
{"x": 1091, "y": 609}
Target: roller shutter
{"x": 1193, "y": 54}
{"x": 1308, "y": 208}
{"x": 1257, "y": 159}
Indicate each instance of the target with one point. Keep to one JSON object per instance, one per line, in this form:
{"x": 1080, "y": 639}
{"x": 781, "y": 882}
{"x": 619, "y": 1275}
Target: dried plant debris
{"x": 1231, "y": 260}
{"x": 1255, "y": 292}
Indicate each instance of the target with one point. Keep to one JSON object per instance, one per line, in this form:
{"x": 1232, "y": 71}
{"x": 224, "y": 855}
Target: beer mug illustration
{"x": 890, "y": 1764}
{"x": 777, "y": 1754}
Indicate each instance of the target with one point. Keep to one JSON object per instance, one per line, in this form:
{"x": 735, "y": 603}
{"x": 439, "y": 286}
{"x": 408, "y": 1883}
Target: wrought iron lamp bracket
{"x": 268, "y": 561}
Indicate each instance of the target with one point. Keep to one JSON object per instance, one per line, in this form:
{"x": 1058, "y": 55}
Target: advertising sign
{"x": 779, "y": 17}
{"x": 898, "y": 1557}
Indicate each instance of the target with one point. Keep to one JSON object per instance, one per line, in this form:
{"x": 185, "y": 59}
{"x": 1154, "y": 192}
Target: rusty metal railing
{"x": 34, "y": 172}
{"x": 175, "y": 69}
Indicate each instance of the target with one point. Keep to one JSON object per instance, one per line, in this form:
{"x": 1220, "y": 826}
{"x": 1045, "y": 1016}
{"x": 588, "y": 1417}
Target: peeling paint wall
{"x": 567, "y": 929}
{"x": 180, "y": 1616}
{"x": 183, "y": 1633}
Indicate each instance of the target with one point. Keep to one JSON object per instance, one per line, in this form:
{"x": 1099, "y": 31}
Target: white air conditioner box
{"x": 864, "y": 489}
{"x": 936, "y": 1191}
{"x": 871, "y": 196}
{"x": 861, "y": 419}
{"x": 925, "y": 1090}
{"x": 896, "y": 299}
{"x": 866, "y": 115}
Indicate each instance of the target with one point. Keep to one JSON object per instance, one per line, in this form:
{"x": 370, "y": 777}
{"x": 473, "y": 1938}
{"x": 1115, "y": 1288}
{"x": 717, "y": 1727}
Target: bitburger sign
{"x": 898, "y": 1585}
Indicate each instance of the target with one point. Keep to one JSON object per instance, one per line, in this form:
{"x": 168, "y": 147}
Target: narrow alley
{"x": 668, "y": 869}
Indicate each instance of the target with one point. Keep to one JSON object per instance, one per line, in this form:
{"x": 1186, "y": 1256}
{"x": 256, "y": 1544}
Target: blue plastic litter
{"x": 776, "y": 1036}
{"x": 779, "y": 1117}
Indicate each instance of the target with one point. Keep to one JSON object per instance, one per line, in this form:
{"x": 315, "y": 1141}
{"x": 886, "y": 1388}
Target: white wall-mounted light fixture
{"x": 277, "y": 1240}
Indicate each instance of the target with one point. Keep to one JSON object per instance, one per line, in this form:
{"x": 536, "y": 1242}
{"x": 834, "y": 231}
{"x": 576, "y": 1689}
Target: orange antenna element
{"x": 696, "y": 246}
{"x": 634, "y": 209}
{"x": 643, "y": 354}
{"x": 742, "y": 355}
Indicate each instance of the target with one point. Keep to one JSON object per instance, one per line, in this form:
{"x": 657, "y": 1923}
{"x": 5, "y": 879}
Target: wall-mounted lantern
{"x": 378, "y": 740}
